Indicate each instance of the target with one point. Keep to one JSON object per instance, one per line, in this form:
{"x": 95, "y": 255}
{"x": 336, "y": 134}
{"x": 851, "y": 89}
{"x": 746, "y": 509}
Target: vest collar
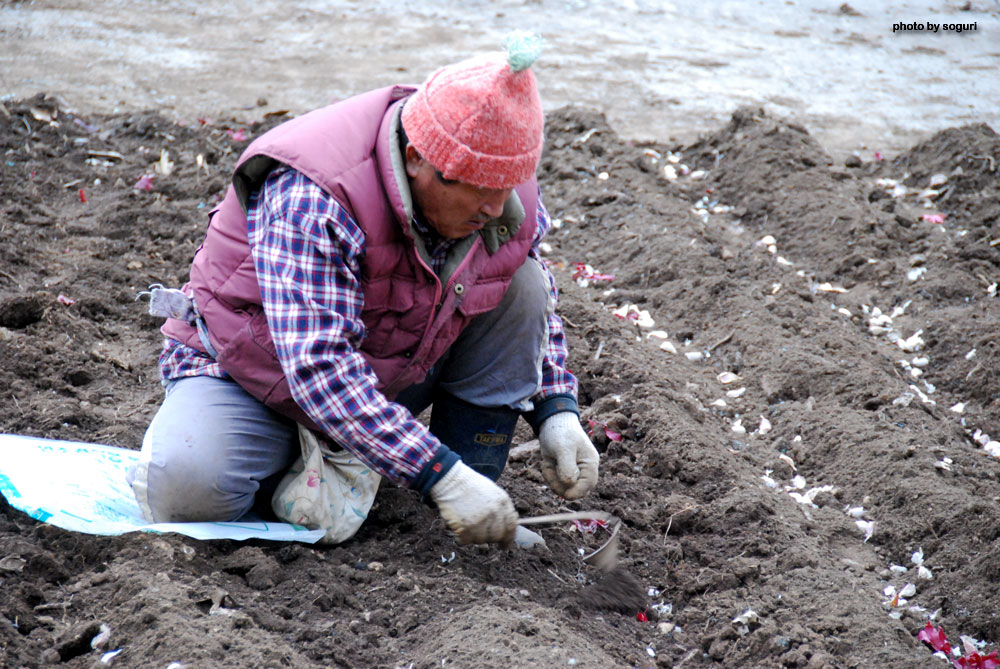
{"x": 393, "y": 167}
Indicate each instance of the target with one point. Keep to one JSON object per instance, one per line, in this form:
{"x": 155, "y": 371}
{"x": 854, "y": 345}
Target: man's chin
{"x": 467, "y": 229}
{"x": 461, "y": 230}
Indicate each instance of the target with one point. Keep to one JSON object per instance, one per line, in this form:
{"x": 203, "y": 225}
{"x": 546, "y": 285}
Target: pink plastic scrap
{"x": 584, "y": 271}
{"x": 68, "y": 301}
{"x": 588, "y": 526}
{"x": 611, "y": 434}
{"x": 237, "y": 135}
{"x": 935, "y": 638}
{"x": 933, "y": 218}
{"x": 977, "y": 661}
{"x": 145, "y": 183}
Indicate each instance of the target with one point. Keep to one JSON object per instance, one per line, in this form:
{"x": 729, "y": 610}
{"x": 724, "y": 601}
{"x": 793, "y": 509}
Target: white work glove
{"x": 475, "y": 508}
{"x": 569, "y": 460}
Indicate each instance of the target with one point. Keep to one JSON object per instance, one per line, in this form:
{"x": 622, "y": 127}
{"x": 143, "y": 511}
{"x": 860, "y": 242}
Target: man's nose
{"x": 492, "y": 204}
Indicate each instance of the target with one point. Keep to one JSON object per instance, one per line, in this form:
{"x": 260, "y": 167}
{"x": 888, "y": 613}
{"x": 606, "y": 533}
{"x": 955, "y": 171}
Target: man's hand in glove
{"x": 475, "y": 508}
{"x": 569, "y": 460}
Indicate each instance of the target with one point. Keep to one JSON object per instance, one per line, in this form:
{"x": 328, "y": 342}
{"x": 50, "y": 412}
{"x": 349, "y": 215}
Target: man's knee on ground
{"x": 206, "y": 450}
{"x": 191, "y": 491}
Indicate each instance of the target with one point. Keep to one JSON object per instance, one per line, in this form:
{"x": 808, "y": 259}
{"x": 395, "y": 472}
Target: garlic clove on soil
{"x": 764, "y": 427}
{"x": 727, "y": 378}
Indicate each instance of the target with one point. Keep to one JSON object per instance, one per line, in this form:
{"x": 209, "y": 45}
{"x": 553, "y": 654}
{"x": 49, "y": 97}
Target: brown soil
{"x": 703, "y": 532}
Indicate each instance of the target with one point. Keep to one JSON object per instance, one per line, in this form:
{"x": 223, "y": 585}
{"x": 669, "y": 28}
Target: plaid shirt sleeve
{"x": 556, "y": 379}
{"x": 306, "y": 249}
{"x": 178, "y": 361}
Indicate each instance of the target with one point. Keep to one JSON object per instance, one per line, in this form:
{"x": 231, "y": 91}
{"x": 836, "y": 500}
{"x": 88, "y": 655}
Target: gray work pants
{"x": 212, "y": 447}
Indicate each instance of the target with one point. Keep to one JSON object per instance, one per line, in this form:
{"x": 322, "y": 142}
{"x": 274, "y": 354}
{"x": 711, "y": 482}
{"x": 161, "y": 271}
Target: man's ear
{"x": 414, "y": 161}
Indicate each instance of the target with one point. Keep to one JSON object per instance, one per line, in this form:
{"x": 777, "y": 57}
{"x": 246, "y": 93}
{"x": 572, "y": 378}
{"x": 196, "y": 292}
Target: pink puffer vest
{"x": 410, "y": 317}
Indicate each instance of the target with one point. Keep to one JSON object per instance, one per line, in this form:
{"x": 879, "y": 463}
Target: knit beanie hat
{"x": 480, "y": 121}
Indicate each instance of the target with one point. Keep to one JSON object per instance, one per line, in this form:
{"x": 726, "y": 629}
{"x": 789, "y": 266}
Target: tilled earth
{"x": 824, "y": 356}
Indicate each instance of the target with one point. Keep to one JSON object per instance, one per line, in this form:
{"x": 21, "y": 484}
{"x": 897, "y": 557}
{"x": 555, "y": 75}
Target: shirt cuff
{"x": 433, "y": 471}
{"x": 549, "y": 407}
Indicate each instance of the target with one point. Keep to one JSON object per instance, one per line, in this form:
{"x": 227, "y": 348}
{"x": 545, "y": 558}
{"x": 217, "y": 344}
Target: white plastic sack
{"x": 324, "y": 490}
{"x": 81, "y": 487}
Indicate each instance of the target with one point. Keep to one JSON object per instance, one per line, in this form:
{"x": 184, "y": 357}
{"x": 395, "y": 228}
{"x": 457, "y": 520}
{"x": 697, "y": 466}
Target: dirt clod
{"x": 617, "y": 591}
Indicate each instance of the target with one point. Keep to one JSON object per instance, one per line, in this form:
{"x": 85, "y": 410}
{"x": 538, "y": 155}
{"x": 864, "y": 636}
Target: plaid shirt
{"x": 307, "y": 250}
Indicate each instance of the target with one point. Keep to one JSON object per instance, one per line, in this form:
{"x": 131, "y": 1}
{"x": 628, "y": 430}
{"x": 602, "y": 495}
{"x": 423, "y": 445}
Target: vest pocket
{"x": 482, "y": 297}
{"x": 392, "y": 326}
{"x": 251, "y": 359}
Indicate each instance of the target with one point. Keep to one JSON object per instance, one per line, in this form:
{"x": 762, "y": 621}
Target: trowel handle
{"x": 571, "y": 515}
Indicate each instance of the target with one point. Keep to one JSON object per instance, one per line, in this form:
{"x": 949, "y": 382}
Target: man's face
{"x": 453, "y": 208}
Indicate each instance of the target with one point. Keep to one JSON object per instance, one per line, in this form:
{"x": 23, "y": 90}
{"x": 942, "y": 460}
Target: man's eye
{"x": 447, "y": 182}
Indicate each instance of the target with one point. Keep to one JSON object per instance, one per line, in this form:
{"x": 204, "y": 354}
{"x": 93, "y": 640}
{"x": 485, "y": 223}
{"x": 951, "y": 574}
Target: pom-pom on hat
{"x": 480, "y": 121}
